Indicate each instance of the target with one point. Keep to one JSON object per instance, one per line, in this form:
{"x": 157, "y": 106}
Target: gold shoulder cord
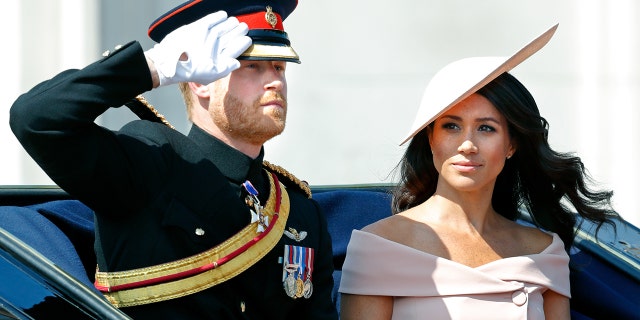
{"x": 145, "y": 111}
{"x": 289, "y": 176}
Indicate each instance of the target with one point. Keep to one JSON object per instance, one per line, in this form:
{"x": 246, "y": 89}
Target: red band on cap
{"x": 257, "y": 20}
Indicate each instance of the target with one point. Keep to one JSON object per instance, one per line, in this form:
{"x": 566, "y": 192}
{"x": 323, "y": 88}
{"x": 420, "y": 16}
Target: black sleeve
{"x": 54, "y": 122}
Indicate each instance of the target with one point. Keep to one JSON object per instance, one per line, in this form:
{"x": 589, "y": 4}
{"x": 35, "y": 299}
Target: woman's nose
{"x": 468, "y": 147}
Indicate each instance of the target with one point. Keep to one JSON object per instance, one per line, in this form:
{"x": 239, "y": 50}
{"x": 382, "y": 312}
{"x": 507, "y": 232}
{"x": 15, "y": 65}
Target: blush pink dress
{"x": 425, "y": 286}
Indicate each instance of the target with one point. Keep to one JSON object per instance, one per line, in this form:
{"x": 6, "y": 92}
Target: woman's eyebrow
{"x": 482, "y": 119}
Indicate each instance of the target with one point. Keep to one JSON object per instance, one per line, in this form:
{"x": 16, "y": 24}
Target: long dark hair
{"x": 536, "y": 178}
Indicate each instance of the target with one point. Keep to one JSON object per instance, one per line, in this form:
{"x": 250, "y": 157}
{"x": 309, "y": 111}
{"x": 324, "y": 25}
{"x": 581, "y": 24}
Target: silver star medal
{"x": 257, "y": 210}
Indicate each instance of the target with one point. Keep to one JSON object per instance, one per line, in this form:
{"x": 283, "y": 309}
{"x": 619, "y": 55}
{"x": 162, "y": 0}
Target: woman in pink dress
{"x": 478, "y": 155}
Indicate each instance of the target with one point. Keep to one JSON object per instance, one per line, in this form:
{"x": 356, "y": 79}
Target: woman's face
{"x": 470, "y": 144}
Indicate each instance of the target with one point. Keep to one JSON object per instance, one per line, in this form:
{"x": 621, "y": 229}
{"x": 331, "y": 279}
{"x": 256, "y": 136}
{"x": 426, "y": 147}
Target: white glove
{"x": 211, "y": 46}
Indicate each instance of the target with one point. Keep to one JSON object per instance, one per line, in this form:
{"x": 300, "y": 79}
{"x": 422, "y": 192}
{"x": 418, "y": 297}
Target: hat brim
{"x": 460, "y": 79}
{"x": 269, "y": 45}
{"x": 270, "y": 52}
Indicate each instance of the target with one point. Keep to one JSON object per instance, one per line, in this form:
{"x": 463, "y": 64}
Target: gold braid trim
{"x": 282, "y": 172}
{"x": 144, "y": 110}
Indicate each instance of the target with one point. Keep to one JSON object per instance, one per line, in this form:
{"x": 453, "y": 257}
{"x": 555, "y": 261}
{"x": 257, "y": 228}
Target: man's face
{"x": 251, "y": 103}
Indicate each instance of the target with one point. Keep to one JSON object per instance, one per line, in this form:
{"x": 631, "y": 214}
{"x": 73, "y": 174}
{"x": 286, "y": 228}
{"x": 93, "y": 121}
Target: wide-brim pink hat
{"x": 459, "y": 79}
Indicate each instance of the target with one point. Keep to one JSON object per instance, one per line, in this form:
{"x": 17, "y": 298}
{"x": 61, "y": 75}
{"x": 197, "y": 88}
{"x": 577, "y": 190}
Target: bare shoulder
{"x": 396, "y": 228}
{"x": 383, "y": 227}
{"x": 533, "y": 238}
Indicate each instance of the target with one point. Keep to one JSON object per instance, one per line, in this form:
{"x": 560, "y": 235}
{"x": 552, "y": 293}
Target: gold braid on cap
{"x": 289, "y": 178}
{"x": 145, "y": 111}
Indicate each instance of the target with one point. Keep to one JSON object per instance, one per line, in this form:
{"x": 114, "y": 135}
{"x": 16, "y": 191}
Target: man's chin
{"x": 267, "y": 135}
{"x": 278, "y": 131}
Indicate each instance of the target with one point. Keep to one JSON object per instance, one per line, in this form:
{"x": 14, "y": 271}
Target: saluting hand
{"x": 202, "y": 51}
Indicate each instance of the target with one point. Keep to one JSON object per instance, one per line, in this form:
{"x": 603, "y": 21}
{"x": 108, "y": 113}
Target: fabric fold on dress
{"x": 378, "y": 266}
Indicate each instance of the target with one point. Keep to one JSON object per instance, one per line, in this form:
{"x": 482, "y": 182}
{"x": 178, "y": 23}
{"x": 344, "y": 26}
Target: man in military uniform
{"x": 196, "y": 226}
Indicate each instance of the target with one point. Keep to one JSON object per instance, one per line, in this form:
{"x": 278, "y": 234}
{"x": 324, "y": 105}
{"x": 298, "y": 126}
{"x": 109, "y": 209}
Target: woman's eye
{"x": 487, "y": 128}
{"x": 450, "y": 125}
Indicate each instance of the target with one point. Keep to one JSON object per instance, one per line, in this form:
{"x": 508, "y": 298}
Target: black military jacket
{"x": 151, "y": 187}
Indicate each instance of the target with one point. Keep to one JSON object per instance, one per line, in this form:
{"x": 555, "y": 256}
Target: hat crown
{"x": 459, "y": 79}
{"x": 441, "y": 92}
{"x": 263, "y": 18}
{"x": 193, "y": 10}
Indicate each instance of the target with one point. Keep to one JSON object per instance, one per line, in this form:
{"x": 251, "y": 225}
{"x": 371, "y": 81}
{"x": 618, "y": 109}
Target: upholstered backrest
{"x": 345, "y": 211}
{"x": 62, "y": 231}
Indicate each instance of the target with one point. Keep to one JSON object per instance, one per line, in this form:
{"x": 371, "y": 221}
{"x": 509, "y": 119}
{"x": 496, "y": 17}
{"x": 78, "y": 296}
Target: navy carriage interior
{"x": 47, "y": 261}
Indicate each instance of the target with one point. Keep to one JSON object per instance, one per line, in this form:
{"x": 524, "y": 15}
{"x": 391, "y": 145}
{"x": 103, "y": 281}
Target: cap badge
{"x": 271, "y": 17}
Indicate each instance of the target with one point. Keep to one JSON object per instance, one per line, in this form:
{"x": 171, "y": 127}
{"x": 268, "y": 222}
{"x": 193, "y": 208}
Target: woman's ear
{"x": 429, "y": 130}
{"x": 512, "y": 149}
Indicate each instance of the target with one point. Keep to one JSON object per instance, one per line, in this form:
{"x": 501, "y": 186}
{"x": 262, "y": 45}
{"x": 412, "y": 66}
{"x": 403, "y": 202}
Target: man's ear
{"x": 200, "y": 90}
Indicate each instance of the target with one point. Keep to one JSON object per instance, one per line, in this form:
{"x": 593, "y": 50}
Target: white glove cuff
{"x": 165, "y": 61}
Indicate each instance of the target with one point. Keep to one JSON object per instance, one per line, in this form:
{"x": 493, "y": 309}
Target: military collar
{"x": 235, "y": 165}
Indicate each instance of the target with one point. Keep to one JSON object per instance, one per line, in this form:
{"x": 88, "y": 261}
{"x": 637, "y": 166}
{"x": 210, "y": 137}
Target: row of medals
{"x": 296, "y": 288}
